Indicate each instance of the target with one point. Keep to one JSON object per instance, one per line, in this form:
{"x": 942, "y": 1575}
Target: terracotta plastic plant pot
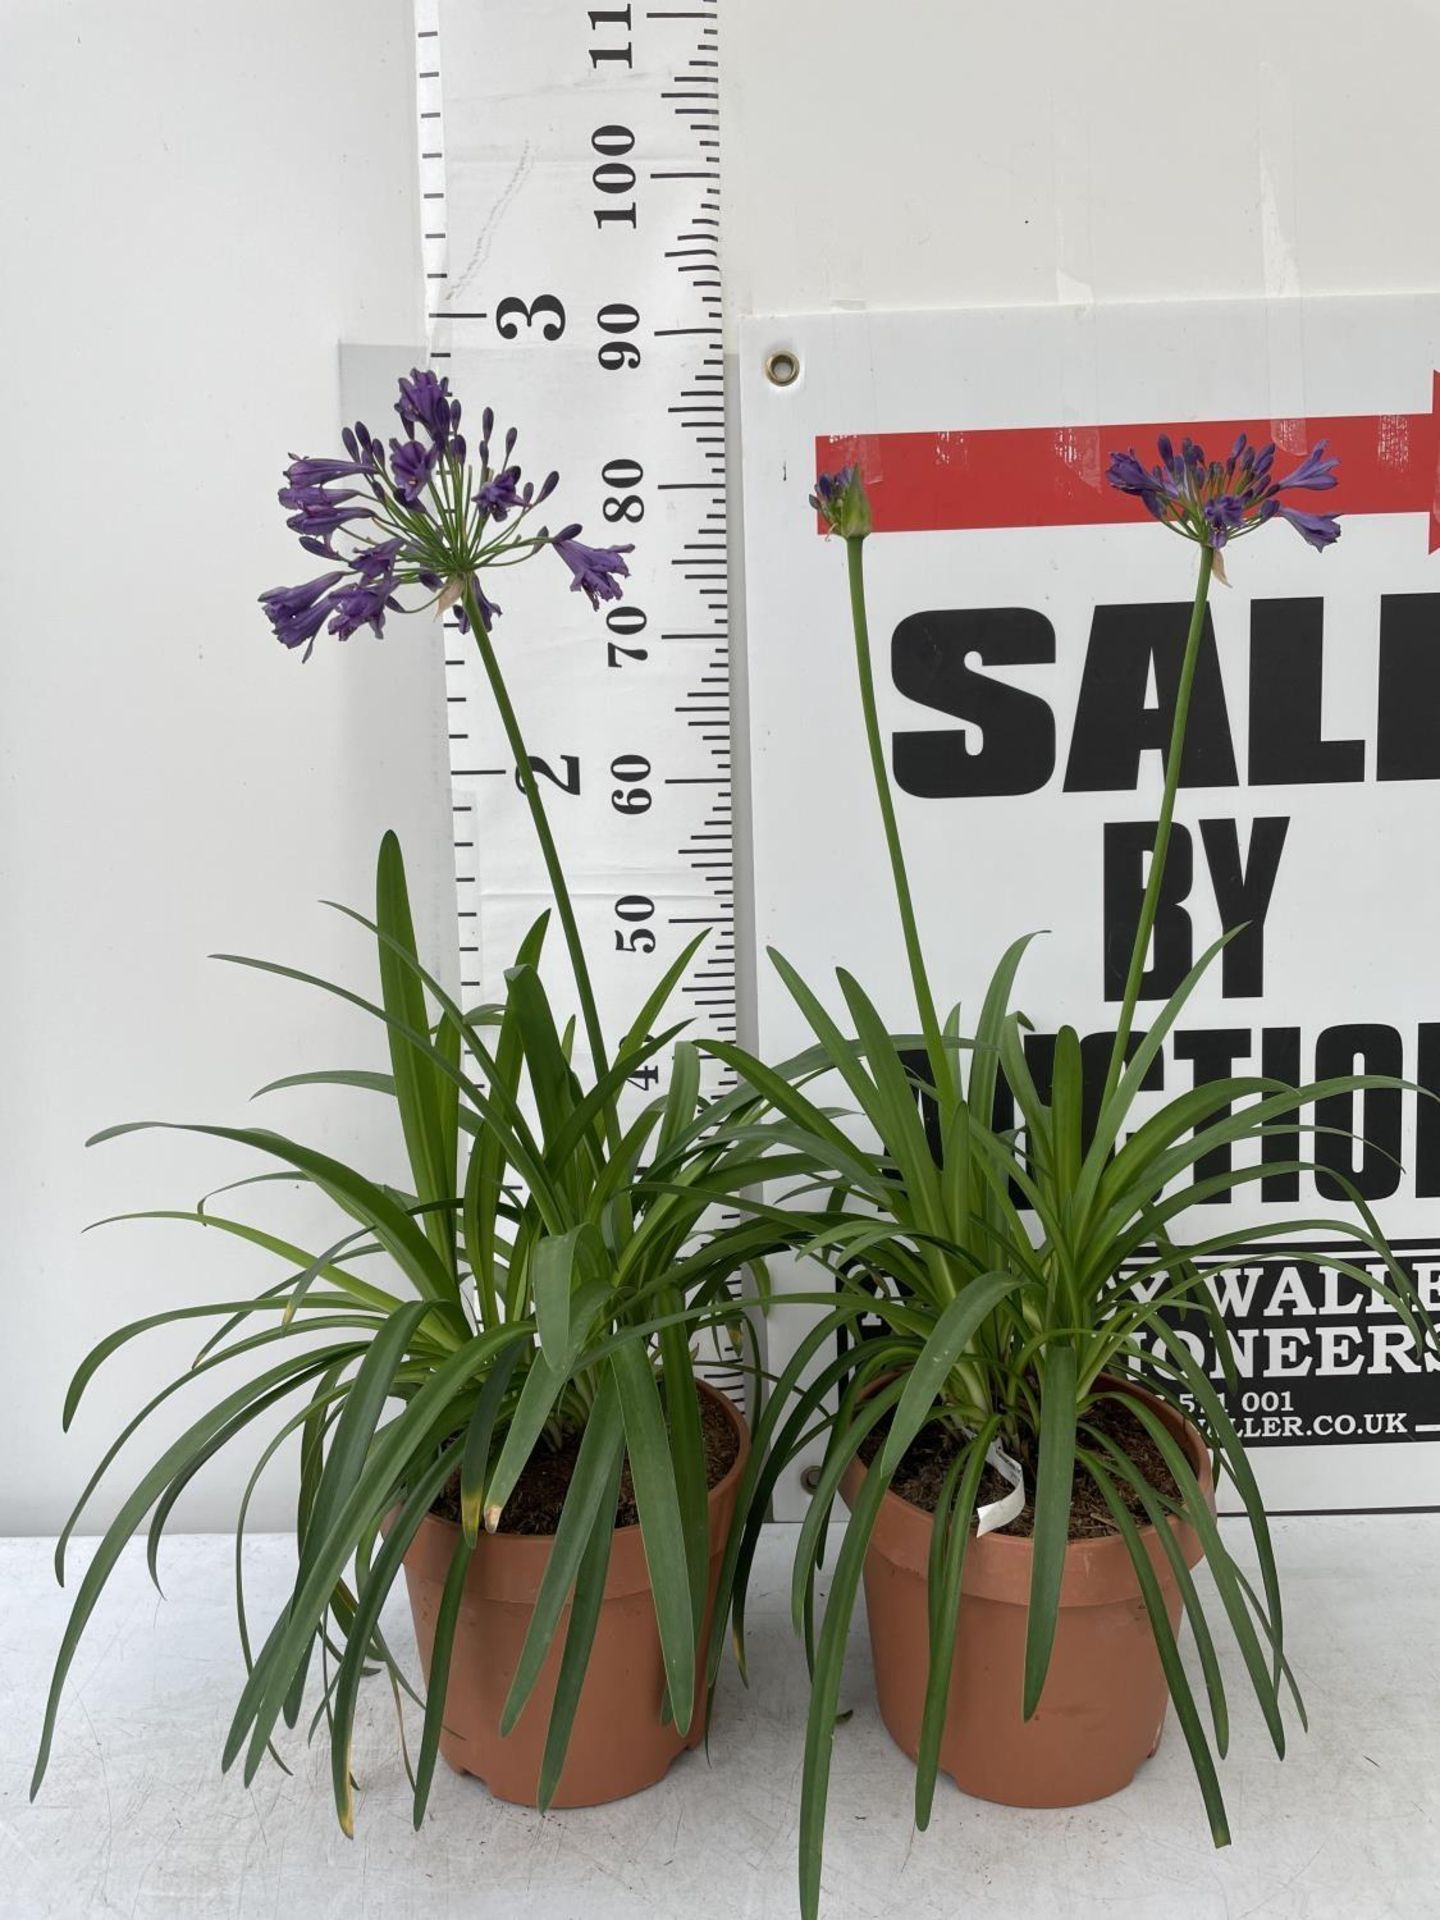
{"x": 1103, "y": 1705}
{"x": 619, "y": 1742}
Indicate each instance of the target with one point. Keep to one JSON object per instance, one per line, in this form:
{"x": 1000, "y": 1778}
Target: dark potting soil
{"x": 539, "y": 1497}
{"x": 931, "y": 1454}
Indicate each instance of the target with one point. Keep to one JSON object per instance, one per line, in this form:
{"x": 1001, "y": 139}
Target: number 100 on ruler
{"x": 571, "y": 210}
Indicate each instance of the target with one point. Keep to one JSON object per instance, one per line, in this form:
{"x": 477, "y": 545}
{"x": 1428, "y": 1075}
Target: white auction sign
{"x": 1027, "y": 625}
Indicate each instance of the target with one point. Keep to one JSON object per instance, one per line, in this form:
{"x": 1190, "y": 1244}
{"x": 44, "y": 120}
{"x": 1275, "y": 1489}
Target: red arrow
{"x": 1055, "y": 476}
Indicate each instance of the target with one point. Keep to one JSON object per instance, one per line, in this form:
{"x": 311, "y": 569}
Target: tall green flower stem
{"x": 940, "y": 1067}
{"x": 564, "y": 906}
{"x": 1155, "y": 879}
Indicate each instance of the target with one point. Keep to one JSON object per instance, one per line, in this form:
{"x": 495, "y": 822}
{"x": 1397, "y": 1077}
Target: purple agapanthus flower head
{"x": 842, "y": 503}
{"x": 596, "y": 571}
{"x": 1213, "y": 502}
{"x": 417, "y": 515}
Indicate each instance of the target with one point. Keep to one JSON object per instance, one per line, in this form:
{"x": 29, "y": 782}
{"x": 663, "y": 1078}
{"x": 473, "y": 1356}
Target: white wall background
{"x": 201, "y": 203}
{"x": 944, "y": 152}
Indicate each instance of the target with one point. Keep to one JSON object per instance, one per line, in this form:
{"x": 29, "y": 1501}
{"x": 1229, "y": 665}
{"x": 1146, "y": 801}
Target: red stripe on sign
{"x": 1055, "y": 476}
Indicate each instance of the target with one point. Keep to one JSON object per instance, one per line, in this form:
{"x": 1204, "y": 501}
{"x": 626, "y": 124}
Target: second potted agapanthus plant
{"x": 987, "y": 1318}
{"x": 490, "y": 1373}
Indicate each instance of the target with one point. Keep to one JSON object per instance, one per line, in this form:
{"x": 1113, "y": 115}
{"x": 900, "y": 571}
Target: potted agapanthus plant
{"x": 986, "y": 1318}
{"x": 508, "y": 1407}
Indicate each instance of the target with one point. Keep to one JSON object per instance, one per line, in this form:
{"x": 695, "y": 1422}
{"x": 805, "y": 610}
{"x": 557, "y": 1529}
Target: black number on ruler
{"x": 629, "y": 621}
{"x": 610, "y": 17}
{"x": 627, "y": 506}
{"x": 634, "y": 907}
{"x": 618, "y": 318}
{"x": 543, "y": 303}
{"x": 613, "y": 175}
{"x": 568, "y": 783}
{"x": 631, "y": 798}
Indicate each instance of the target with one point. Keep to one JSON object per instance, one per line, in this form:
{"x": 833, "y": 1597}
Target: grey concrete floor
{"x": 135, "y": 1818}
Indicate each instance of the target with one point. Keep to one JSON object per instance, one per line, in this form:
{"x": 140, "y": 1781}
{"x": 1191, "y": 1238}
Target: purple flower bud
{"x": 1320, "y": 529}
{"x": 842, "y": 503}
{"x": 411, "y": 466}
{"x": 500, "y": 495}
{"x": 319, "y": 512}
{"x": 1314, "y": 472}
{"x": 594, "y": 569}
{"x": 373, "y": 563}
{"x": 362, "y": 448}
{"x": 297, "y": 613}
{"x": 425, "y": 402}
{"x": 1223, "y": 516}
{"x": 356, "y": 607}
{"x": 307, "y": 498}
{"x": 315, "y": 473}
{"x": 298, "y": 599}
{"x": 487, "y": 609}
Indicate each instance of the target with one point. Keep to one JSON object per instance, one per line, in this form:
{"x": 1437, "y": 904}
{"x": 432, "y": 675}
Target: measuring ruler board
{"x": 570, "y": 183}
{"x": 570, "y": 188}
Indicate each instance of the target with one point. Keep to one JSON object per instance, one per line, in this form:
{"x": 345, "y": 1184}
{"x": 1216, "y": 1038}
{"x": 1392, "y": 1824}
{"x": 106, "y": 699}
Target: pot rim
{"x": 997, "y": 1566}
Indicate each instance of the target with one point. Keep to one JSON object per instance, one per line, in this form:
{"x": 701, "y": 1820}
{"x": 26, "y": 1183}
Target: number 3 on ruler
{"x": 510, "y": 306}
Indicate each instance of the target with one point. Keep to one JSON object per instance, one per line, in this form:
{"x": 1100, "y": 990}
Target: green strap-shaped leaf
{"x": 103, "y": 1349}
{"x": 1158, "y": 1515}
{"x": 950, "y": 1538}
{"x": 349, "y": 1449}
{"x": 994, "y": 1017}
{"x": 658, "y": 1504}
{"x": 480, "y": 1436}
{"x": 422, "y": 1424}
{"x": 447, "y": 1620}
{"x": 1197, "y": 1512}
{"x": 651, "y": 1010}
{"x": 541, "y": 1389}
{"x": 1054, "y": 1477}
{"x": 579, "y": 1638}
{"x": 298, "y": 1370}
{"x": 952, "y": 1333}
{"x": 373, "y": 1590}
{"x": 355, "y": 1429}
{"x": 602, "y": 1446}
{"x": 825, "y": 1689}
{"x": 557, "y": 1261}
{"x": 361, "y": 1198}
{"x": 425, "y": 1099}
{"x": 687, "y": 1450}
{"x": 1180, "y": 1692}
{"x": 847, "y": 1437}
